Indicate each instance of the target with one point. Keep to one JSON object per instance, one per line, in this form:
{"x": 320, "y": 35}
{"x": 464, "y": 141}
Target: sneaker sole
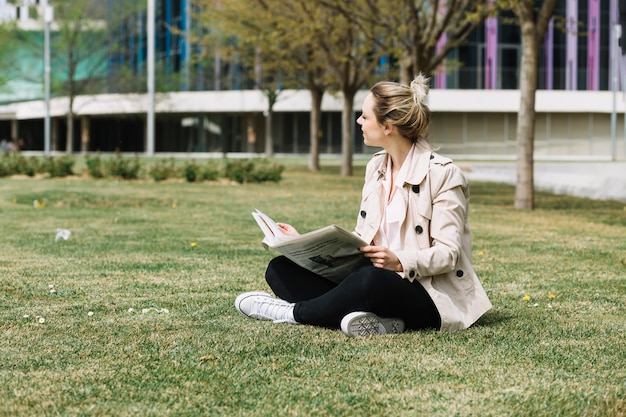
{"x": 361, "y": 323}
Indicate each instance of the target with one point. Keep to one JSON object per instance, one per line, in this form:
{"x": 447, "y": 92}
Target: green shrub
{"x": 30, "y": 166}
{"x": 59, "y": 167}
{"x": 266, "y": 171}
{"x": 244, "y": 170}
{"x": 191, "y": 171}
{"x": 126, "y": 168}
{"x": 210, "y": 172}
{"x": 13, "y": 163}
{"x": 239, "y": 170}
{"x": 5, "y": 165}
{"x": 163, "y": 170}
{"x": 94, "y": 166}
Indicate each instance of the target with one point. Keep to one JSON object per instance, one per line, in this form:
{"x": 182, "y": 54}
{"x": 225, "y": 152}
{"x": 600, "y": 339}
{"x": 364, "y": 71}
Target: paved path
{"x": 596, "y": 180}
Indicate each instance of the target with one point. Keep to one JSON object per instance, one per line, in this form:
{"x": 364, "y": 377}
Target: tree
{"x": 284, "y": 50}
{"x": 533, "y": 23}
{"x": 350, "y": 59}
{"x": 307, "y": 21}
{"x": 7, "y": 55}
{"x": 250, "y": 35}
{"x": 409, "y": 32}
{"x": 21, "y": 60}
{"x": 86, "y": 36}
{"x": 418, "y": 33}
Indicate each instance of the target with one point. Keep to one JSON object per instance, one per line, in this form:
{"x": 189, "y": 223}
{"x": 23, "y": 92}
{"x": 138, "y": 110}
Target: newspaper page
{"x": 332, "y": 252}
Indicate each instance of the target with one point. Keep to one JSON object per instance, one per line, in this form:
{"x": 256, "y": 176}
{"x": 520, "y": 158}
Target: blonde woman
{"x": 413, "y": 210}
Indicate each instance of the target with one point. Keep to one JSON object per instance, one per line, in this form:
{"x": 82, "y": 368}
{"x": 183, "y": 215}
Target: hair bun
{"x": 419, "y": 87}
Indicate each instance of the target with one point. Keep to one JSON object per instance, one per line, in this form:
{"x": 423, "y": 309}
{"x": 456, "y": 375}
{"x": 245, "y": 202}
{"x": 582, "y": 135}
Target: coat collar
{"x": 417, "y": 171}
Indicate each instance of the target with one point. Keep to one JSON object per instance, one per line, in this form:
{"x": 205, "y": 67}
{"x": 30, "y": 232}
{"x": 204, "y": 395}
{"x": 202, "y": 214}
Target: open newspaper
{"x": 332, "y": 252}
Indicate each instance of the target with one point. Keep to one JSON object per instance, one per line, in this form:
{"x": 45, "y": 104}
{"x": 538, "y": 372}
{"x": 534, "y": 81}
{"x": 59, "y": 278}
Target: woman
{"x": 414, "y": 211}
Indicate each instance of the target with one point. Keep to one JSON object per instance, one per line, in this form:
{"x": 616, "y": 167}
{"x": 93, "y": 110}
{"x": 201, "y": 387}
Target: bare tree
{"x": 418, "y": 33}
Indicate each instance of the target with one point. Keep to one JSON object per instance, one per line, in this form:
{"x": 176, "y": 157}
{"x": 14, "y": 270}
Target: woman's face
{"x": 373, "y": 132}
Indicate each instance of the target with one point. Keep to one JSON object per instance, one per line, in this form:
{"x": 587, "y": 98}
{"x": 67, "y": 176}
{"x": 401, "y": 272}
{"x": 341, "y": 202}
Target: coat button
{"x": 459, "y": 273}
{"x": 416, "y": 188}
{"x": 411, "y": 274}
{"x": 363, "y": 213}
{"x": 419, "y": 229}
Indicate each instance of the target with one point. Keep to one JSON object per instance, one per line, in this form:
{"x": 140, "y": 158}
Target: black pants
{"x": 320, "y": 302}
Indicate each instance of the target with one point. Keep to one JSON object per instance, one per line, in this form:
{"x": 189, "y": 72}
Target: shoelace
{"x": 274, "y": 310}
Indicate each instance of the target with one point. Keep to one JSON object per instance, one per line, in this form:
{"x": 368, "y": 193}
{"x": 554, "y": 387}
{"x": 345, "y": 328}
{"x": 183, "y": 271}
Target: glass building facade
{"x": 575, "y": 54}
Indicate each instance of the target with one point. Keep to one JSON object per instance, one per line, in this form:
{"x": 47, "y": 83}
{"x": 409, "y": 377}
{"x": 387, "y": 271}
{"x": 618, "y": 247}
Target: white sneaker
{"x": 360, "y": 323}
{"x": 262, "y": 306}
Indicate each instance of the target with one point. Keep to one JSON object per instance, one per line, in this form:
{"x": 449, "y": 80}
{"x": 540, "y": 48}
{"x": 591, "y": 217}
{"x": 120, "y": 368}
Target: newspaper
{"x": 331, "y": 252}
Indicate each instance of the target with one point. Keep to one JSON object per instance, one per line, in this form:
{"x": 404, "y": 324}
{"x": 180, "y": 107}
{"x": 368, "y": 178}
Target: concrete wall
{"x": 470, "y": 124}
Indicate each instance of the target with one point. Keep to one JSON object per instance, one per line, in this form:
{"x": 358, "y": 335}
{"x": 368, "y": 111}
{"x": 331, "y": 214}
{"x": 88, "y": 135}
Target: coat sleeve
{"x": 448, "y": 192}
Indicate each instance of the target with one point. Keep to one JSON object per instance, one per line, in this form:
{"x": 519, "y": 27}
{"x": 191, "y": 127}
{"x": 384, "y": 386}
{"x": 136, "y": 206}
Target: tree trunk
{"x": 84, "y": 135}
{"x": 272, "y": 98}
{"x": 71, "y": 95}
{"x": 69, "y": 145}
{"x": 55, "y": 133}
{"x": 524, "y": 190}
{"x": 316, "y": 129}
{"x": 406, "y": 69}
{"x": 346, "y": 132}
{"x": 269, "y": 140}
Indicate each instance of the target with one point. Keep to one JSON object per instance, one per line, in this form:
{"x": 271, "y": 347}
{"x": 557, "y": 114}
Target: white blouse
{"x": 395, "y": 210}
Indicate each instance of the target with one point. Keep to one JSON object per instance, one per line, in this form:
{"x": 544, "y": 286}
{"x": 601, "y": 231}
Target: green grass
{"x": 131, "y": 247}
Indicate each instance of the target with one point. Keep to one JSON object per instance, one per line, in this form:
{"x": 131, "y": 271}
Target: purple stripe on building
{"x": 440, "y": 75}
{"x": 491, "y": 53}
{"x": 593, "y": 45}
{"x": 548, "y": 47}
{"x": 613, "y": 43}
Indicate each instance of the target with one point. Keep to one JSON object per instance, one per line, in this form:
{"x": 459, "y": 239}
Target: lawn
{"x": 133, "y": 314}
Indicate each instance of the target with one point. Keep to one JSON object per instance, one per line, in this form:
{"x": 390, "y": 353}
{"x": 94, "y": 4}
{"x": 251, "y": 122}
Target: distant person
{"x": 414, "y": 210}
{"x": 7, "y": 146}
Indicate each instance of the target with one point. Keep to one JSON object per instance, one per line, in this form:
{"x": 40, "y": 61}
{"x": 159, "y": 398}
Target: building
{"x": 209, "y": 110}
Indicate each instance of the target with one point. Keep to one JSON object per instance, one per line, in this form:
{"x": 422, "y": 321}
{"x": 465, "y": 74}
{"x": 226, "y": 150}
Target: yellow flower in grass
{"x": 480, "y": 253}
{"x": 526, "y": 297}
{"x": 194, "y": 244}
{"x": 551, "y": 296}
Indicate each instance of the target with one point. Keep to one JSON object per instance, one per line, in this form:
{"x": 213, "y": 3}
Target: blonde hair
{"x": 404, "y": 107}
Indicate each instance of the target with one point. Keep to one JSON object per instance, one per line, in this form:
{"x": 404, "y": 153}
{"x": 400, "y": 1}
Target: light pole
{"x": 150, "y": 66}
{"x": 48, "y": 16}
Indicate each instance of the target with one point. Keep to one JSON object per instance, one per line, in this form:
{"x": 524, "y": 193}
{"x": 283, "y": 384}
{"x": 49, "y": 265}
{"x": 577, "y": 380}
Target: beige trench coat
{"x": 435, "y": 234}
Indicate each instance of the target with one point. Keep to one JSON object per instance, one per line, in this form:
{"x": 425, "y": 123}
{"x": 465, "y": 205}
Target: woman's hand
{"x": 382, "y": 257}
{"x": 288, "y": 229}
